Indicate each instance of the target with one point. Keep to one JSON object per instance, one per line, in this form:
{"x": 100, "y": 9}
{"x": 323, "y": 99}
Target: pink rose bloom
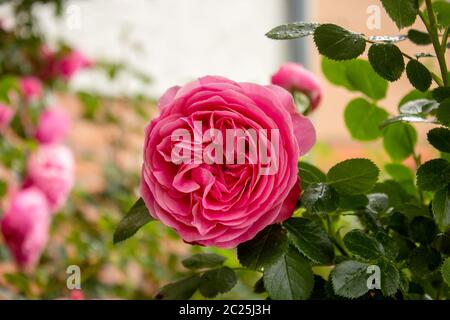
{"x": 53, "y": 126}
{"x": 6, "y": 114}
{"x": 51, "y": 169}
{"x": 71, "y": 63}
{"x": 226, "y": 204}
{"x": 25, "y": 226}
{"x": 31, "y": 87}
{"x": 294, "y": 77}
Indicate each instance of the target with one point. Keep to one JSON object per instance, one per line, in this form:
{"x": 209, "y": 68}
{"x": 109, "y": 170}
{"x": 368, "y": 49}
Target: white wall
{"x": 174, "y": 41}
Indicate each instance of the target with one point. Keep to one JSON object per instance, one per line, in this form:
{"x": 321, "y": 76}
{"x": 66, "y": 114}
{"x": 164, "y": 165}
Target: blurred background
{"x": 139, "y": 49}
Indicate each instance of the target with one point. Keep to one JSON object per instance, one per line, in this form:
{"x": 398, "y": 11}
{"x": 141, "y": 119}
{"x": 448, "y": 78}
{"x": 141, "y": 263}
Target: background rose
{"x": 294, "y": 77}
{"x": 53, "y": 126}
{"x": 31, "y": 87}
{"x": 70, "y": 63}
{"x": 223, "y": 205}
{"x": 51, "y": 169}
{"x": 6, "y": 114}
{"x": 25, "y": 226}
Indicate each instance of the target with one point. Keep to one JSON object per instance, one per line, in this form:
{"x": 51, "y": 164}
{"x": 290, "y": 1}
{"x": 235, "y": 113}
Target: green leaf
{"x": 264, "y": 249}
{"x": 433, "y": 175}
{"x": 292, "y": 31}
{"x": 335, "y": 72}
{"x": 390, "y": 278}
{"x": 220, "y": 280}
{"x": 349, "y": 279}
{"x": 310, "y": 239}
{"x": 320, "y": 198}
{"x": 363, "y": 245}
{"x": 354, "y": 176}
{"x": 419, "y": 37}
{"x": 363, "y": 119}
{"x": 290, "y": 278}
{"x": 440, "y": 139}
{"x": 363, "y": 78}
{"x": 137, "y": 217}
{"x": 259, "y": 286}
{"x": 414, "y": 95}
{"x": 203, "y": 260}
{"x": 441, "y": 93}
{"x": 441, "y": 208}
{"x": 180, "y": 290}
{"x": 423, "y": 261}
{"x": 337, "y": 43}
{"x": 418, "y": 75}
{"x": 399, "y": 172}
{"x": 445, "y": 270}
{"x": 402, "y": 12}
{"x": 310, "y": 174}
{"x": 387, "y": 61}
{"x": 399, "y": 141}
{"x": 422, "y": 230}
{"x": 443, "y": 113}
{"x": 442, "y": 9}
{"x": 356, "y": 202}
{"x": 391, "y": 248}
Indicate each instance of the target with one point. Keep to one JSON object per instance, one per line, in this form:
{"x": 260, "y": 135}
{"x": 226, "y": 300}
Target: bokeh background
{"x": 141, "y": 48}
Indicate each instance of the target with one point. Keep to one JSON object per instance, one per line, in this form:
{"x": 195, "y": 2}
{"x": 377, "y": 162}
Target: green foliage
{"x": 363, "y": 119}
{"x": 419, "y": 37}
{"x": 441, "y": 208}
{"x": 292, "y": 31}
{"x": 440, "y": 139}
{"x": 311, "y": 240}
{"x": 264, "y": 249}
{"x": 203, "y": 260}
{"x": 336, "y": 43}
{"x": 349, "y": 279}
{"x": 418, "y": 75}
{"x": 180, "y": 290}
{"x": 446, "y": 271}
{"x": 352, "y": 177}
{"x": 310, "y": 174}
{"x": 363, "y": 245}
{"x": 320, "y": 198}
{"x": 402, "y": 12}
{"x": 433, "y": 175}
{"x": 137, "y": 217}
{"x": 290, "y": 278}
{"x": 387, "y": 61}
{"x": 443, "y": 113}
{"x": 399, "y": 141}
{"x": 215, "y": 281}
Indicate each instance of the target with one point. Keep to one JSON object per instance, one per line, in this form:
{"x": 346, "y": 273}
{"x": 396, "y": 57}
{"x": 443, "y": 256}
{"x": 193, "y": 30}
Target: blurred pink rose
{"x": 51, "y": 169}
{"x": 294, "y": 77}
{"x": 223, "y": 205}
{"x": 71, "y": 63}
{"x": 31, "y": 87}
{"x": 53, "y": 126}
{"x": 6, "y": 114}
{"x": 25, "y": 226}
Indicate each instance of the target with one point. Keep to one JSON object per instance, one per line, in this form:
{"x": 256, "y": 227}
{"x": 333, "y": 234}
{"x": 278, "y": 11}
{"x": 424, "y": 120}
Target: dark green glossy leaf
{"x": 311, "y": 239}
{"x": 220, "y": 280}
{"x": 445, "y": 270}
{"x": 362, "y": 245}
{"x": 440, "y": 139}
{"x": 264, "y": 249}
{"x": 290, "y": 278}
{"x": 349, "y": 279}
{"x": 418, "y": 75}
{"x": 320, "y": 198}
{"x": 337, "y": 43}
{"x": 387, "y": 61}
{"x": 419, "y": 37}
{"x": 390, "y": 278}
{"x": 180, "y": 290}
{"x": 310, "y": 174}
{"x": 399, "y": 141}
{"x": 423, "y": 261}
{"x": 443, "y": 113}
{"x": 137, "y": 217}
{"x": 422, "y": 230}
{"x": 402, "y": 12}
{"x": 441, "y": 208}
{"x": 433, "y": 175}
{"x": 354, "y": 176}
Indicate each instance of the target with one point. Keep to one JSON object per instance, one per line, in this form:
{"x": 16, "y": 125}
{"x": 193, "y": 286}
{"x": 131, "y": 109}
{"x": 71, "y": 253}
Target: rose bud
{"x": 53, "y": 126}
{"x": 51, "y": 169}
{"x": 31, "y": 87}
{"x": 25, "y": 226}
{"x": 297, "y": 79}
{"x": 71, "y": 63}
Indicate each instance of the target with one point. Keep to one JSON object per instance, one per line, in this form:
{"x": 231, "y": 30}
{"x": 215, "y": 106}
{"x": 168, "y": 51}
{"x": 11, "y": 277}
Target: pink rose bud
{"x": 294, "y": 77}
{"x": 31, "y": 87}
{"x": 53, "y": 126}
{"x": 223, "y": 202}
{"x": 6, "y": 115}
{"x": 51, "y": 169}
{"x": 71, "y": 63}
{"x": 25, "y": 226}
